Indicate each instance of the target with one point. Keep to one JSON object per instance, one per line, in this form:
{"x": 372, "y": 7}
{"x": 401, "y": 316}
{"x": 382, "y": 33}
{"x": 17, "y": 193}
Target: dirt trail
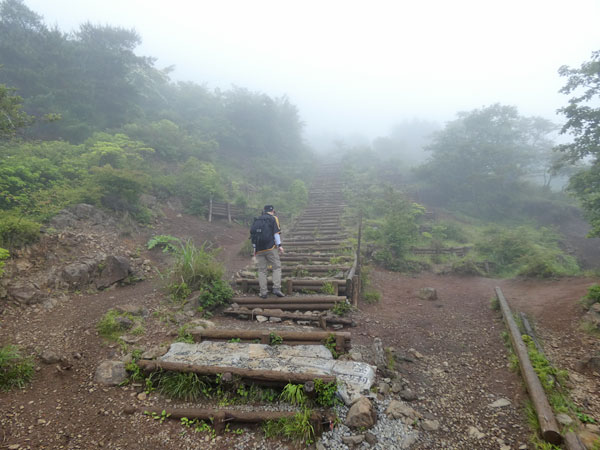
{"x": 458, "y": 368}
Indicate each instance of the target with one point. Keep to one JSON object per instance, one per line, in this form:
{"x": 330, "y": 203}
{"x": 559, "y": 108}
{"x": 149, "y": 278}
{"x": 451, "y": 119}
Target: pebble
{"x": 386, "y": 434}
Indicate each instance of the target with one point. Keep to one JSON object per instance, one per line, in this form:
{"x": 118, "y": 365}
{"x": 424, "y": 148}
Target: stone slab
{"x": 354, "y": 377}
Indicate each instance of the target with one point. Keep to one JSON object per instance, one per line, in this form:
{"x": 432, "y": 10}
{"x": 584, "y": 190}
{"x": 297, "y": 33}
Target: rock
{"x": 383, "y": 388}
{"x": 370, "y": 438}
{"x": 500, "y": 403}
{"x": 256, "y": 311}
{"x": 275, "y": 319}
{"x": 80, "y": 274}
{"x": 427, "y": 294}
{"x": 589, "y": 363}
{"x": 408, "y": 395}
{"x": 134, "y": 310}
{"x": 430, "y": 425}
{"x": 564, "y": 419}
{"x": 380, "y": 360}
{"x": 50, "y": 357}
{"x": 355, "y": 356}
{"x": 26, "y": 293}
{"x": 475, "y": 433}
{"x": 261, "y": 319}
{"x": 110, "y": 373}
{"x": 124, "y": 323}
{"x": 353, "y": 440}
{"x": 397, "y": 386}
{"x": 142, "y": 396}
{"x": 409, "y": 440}
{"x": 113, "y": 269}
{"x": 155, "y": 352}
{"x": 398, "y": 410}
{"x": 588, "y": 439}
{"x": 361, "y": 414}
{"x": 592, "y": 427}
{"x": 320, "y": 446}
{"x": 202, "y": 323}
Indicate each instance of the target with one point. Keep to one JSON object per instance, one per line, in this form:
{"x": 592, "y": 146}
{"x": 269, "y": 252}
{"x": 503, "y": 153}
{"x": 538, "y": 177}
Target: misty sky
{"x": 358, "y": 67}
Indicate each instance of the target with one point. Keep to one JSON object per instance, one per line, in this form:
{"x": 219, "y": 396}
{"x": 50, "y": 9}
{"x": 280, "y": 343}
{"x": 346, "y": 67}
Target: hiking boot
{"x": 278, "y": 293}
{"x": 263, "y": 295}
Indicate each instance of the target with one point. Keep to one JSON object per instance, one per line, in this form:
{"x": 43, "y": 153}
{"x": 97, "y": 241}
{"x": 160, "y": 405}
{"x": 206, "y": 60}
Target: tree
{"x": 12, "y": 118}
{"x": 479, "y": 161}
{"x": 583, "y": 119}
{"x": 583, "y": 123}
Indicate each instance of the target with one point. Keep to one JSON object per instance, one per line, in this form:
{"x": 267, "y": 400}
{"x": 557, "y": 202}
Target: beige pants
{"x": 262, "y": 260}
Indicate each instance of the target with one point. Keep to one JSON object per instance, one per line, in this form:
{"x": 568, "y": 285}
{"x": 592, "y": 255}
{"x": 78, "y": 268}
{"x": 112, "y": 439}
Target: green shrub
{"x": 525, "y": 251}
{"x": 3, "y": 255}
{"x": 326, "y": 393}
{"x": 342, "y": 308}
{"x": 215, "y": 294}
{"x": 371, "y": 296}
{"x": 592, "y": 296}
{"x": 167, "y": 243}
{"x": 15, "y": 370}
{"x": 109, "y": 327}
{"x": 467, "y": 266}
{"x": 16, "y": 232}
{"x": 328, "y": 288}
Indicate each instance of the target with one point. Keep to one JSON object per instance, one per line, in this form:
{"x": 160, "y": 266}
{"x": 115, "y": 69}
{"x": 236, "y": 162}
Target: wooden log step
{"x": 289, "y": 337}
{"x": 250, "y": 374}
{"x": 297, "y": 281}
{"x": 293, "y": 316}
{"x": 290, "y": 306}
{"x": 305, "y": 259}
{"x": 317, "y": 268}
{"x": 220, "y": 417}
{"x": 303, "y": 299}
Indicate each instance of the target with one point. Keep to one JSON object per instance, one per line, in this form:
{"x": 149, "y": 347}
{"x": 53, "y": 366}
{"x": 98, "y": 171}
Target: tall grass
{"x": 197, "y": 269}
{"x": 15, "y": 370}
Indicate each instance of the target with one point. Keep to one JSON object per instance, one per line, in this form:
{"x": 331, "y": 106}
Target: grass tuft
{"x": 15, "y": 370}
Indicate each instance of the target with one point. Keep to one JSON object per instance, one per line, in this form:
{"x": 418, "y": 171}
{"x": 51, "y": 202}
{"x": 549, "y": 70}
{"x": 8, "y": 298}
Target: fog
{"x": 357, "y": 69}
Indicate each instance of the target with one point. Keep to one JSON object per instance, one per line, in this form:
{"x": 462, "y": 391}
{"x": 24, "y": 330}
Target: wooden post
{"x": 229, "y": 212}
{"x": 244, "y": 285}
{"x": 289, "y": 286}
{"x": 548, "y": 424}
{"x": 355, "y": 290}
{"x": 210, "y": 209}
{"x": 360, "y": 218}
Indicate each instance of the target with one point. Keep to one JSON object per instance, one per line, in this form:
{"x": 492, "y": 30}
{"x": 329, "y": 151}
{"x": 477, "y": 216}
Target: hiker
{"x": 266, "y": 242}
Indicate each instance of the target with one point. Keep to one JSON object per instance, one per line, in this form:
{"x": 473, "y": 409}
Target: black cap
{"x": 268, "y": 208}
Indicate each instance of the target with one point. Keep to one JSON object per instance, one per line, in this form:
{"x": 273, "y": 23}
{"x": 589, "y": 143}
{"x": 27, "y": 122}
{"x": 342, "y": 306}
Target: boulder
{"x": 81, "y": 273}
{"x": 110, "y": 373}
{"x": 114, "y": 268}
{"x": 361, "y": 414}
{"x": 26, "y": 293}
